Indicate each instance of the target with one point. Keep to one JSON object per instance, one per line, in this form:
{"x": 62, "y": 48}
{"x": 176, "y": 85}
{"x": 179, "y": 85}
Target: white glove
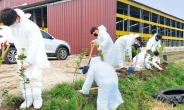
{"x": 3, "y": 44}
{"x": 99, "y": 49}
{"x": 160, "y": 68}
{"x": 93, "y": 41}
{"x": 80, "y": 91}
{"x": 25, "y": 65}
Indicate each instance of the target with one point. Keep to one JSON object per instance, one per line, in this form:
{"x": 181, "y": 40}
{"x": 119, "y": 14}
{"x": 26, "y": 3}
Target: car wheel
{"x": 62, "y": 53}
{"x": 10, "y": 56}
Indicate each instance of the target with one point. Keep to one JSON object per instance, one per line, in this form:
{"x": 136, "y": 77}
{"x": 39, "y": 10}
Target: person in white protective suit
{"x": 26, "y": 34}
{"x": 154, "y": 43}
{"x": 143, "y": 60}
{"x": 105, "y": 44}
{"x": 109, "y": 97}
{"x": 123, "y": 44}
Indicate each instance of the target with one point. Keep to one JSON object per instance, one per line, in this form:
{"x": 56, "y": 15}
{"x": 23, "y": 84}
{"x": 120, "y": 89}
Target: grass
{"x": 137, "y": 90}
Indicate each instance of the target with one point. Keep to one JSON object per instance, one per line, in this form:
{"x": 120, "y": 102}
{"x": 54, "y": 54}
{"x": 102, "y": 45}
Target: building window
{"x": 134, "y": 12}
{"x": 154, "y": 17}
{"x": 167, "y": 32}
{"x": 172, "y": 33}
{"x": 145, "y": 15}
{"x": 45, "y": 16}
{"x": 178, "y": 33}
{"x": 161, "y": 20}
{"x": 121, "y": 24}
{"x": 173, "y": 23}
{"x": 153, "y": 29}
{"x": 178, "y": 25}
{"x": 145, "y": 28}
{"x": 162, "y": 31}
{"x": 122, "y": 8}
{"x": 38, "y": 16}
{"x": 167, "y": 22}
{"x": 134, "y": 26}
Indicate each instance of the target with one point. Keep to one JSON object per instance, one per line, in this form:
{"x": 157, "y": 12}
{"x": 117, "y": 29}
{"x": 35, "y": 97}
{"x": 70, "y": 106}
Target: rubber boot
{"x": 29, "y": 99}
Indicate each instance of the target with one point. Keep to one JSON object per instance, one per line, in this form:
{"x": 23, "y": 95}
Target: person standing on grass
{"x": 109, "y": 97}
{"x": 26, "y": 34}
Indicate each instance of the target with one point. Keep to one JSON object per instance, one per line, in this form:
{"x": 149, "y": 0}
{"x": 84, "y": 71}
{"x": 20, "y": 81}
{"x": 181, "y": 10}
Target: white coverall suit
{"x": 26, "y": 34}
{"x": 142, "y": 61}
{"x": 123, "y": 44}
{"x": 152, "y": 44}
{"x": 107, "y": 46}
{"x": 109, "y": 97}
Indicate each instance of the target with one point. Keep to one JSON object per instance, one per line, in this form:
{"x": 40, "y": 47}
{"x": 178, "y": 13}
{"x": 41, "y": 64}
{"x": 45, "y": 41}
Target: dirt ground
{"x": 57, "y": 73}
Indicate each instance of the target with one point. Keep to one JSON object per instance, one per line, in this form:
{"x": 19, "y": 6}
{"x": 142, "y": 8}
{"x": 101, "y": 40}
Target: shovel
{"x": 92, "y": 47}
{"x": 80, "y": 91}
{"x": 73, "y": 66}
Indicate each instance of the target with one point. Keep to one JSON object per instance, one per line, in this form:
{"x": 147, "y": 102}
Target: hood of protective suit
{"x": 102, "y": 28}
{"x": 94, "y": 61}
{"x": 134, "y": 35}
{"x": 22, "y": 14}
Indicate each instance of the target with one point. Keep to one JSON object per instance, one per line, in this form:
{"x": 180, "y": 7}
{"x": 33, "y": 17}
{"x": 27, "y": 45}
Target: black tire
{"x": 62, "y": 53}
{"x": 10, "y": 56}
{"x": 172, "y": 96}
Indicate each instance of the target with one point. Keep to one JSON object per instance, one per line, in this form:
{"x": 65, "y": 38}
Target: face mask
{"x": 95, "y": 35}
{"x": 136, "y": 45}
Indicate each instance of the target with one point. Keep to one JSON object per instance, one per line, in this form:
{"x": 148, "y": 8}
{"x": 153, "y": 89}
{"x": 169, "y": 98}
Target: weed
{"x": 10, "y": 100}
{"x": 13, "y": 100}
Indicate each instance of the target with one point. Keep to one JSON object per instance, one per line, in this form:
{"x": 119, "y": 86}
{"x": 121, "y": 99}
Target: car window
{"x": 45, "y": 35}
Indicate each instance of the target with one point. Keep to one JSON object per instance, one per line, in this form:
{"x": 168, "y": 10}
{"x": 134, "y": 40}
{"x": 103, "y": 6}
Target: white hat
{"x": 22, "y": 14}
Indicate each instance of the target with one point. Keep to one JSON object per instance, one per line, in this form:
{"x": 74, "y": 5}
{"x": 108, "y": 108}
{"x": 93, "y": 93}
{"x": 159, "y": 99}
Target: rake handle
{"x": 92, "y": 47}
{"x": 94, "y": 88}
{"x": 4, "y": 50}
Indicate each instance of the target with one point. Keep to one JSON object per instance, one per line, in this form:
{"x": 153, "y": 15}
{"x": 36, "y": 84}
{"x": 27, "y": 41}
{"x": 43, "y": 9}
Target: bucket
{"x": 131, "y": 69}
{"x": 165, "y": 57}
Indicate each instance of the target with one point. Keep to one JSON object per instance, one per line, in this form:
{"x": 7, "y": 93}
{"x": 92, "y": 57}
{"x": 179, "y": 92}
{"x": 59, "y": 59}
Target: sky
{"x": 172, "y": 7}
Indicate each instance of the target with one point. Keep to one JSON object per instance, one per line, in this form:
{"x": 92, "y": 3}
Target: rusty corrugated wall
{"x": 15, "y": 3}
{"x": 71, "y": 21}
{"x": 64, "y": 22}
{"x": 95, "y": 13}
